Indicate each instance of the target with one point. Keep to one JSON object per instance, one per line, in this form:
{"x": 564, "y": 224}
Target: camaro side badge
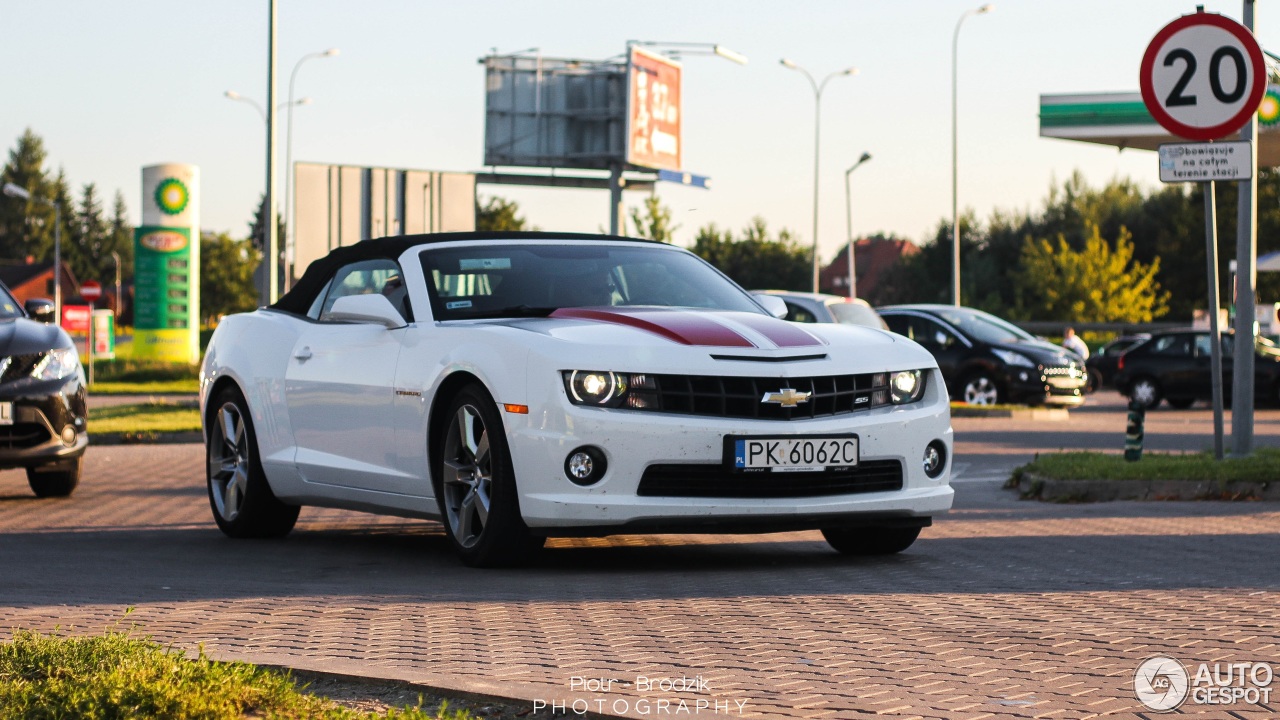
{"x": 786, "y": 397}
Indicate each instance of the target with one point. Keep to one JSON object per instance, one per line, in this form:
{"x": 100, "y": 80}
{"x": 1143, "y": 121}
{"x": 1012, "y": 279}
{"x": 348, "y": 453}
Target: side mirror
{"x": 775, "y": 305}
{"x": 375, "y": 309}
{"x": 41, "y": 310}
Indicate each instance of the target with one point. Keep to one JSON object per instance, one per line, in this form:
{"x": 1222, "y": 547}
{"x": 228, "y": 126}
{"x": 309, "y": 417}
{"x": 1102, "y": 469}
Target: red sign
{"x": 1203, "y": 76}
{"x": 653, "y": 111}
{"x": 75, "y": 319}
{"x": 90, "y": 290}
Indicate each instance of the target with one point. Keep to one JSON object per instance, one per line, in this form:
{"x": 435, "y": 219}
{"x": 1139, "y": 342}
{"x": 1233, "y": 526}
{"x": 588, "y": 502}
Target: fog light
{"x": 585, "y": 466}
{"x": 69, "y": 435}
{"x": 935, "y": 458}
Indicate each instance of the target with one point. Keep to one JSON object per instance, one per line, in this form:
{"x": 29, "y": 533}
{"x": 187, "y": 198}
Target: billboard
{"x": 653, "y": 111}
{"x": 166, "y": 305}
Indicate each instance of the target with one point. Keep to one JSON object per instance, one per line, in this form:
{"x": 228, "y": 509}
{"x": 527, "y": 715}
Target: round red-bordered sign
{"x": 90, "y": 290}
{"x": 1224, "y": 118}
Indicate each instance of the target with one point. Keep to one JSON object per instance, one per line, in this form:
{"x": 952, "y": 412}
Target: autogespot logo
{"x": 1161, "y": 683}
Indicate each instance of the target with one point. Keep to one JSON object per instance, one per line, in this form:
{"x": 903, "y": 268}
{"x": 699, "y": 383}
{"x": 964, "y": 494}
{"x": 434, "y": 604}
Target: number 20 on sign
{"x": 1203, "y": 76}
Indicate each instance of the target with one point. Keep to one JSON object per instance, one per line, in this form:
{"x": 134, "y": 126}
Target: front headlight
{"x": 1013, "y": 358}
{"x": 897, "y": 388}
{"x": 57, "y": 364}
{"x": 603, "y": 388}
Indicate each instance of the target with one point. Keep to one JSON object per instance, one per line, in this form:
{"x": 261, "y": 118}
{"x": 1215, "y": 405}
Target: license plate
{"x": 794, "y": 454}
{"x": 6, "y": 413}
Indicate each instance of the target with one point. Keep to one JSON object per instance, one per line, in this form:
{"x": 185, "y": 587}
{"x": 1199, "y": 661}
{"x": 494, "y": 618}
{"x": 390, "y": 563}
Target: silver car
{"x": 823, "y": 308}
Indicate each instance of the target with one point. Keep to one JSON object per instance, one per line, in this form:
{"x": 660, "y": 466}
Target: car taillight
{"x": 1120, "y": 363}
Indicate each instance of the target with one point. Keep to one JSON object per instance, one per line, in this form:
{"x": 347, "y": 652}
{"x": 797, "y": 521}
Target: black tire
{"x": 872, "y": 540}
{"x": 241, "y": 499}
{"x": 474, "y": 468}
{"x": 980, "y": 388}
{"x": 56, "y": 480}
{"x": 1093, "y": 381}
{"x": 1146, "y": 391}
{"x": 1181, "y": 403}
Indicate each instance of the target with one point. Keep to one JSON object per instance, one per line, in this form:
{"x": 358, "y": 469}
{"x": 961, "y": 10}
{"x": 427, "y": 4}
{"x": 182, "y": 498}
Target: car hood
{"x": 1044, "y": 353}
{"x": 660, "y": 326}
{"x": 22, "y": 336}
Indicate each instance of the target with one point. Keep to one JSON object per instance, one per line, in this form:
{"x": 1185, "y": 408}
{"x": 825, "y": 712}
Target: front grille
{"x": 715, "y": 481}
{"x": 740, "y": 397}
{"x": 22, "y": 435}
{"x": 17, "y": 367}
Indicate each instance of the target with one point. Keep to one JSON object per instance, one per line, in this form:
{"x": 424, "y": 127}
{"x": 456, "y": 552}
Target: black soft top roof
{"x": 298, "y": 300}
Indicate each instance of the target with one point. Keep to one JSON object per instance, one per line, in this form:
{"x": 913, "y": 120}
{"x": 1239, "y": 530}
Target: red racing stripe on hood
{"x": 780, "y": 333}
{"x": 686, "y": 328}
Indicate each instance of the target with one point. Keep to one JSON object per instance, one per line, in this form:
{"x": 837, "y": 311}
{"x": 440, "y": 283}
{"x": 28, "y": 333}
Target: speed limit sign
{"x": 1203, "y": 76}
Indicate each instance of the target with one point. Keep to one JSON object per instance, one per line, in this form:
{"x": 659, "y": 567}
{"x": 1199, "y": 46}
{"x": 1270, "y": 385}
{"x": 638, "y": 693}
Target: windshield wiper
{"x": 510, "y": 311}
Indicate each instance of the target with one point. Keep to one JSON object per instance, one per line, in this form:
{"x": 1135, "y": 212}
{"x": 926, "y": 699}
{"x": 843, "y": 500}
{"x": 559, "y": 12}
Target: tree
{"x": 498, "y": 214}
{"x": 258, "y": 227}
{"x": 756, "y": 261}
{"x": 82, "y": 247}
{"x": 226, "y": 275}
{"x": 23, "y": 225}
{"x": 655, "y": 222}
{"x": 1098, "y": 283}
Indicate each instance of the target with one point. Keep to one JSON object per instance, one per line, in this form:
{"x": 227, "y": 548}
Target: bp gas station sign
{"x": 167, "y": 265}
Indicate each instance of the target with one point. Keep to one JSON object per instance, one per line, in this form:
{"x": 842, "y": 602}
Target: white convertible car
{"x": 517, "y": 386}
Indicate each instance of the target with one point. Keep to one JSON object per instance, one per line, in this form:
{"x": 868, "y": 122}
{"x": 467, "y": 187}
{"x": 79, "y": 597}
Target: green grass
{"x": 149, "y": 417}
{"x": 1259, "y": 467}
{"x": 159, "y": 387}
{"x": 115, "y": 676}
{"x": 993, "y": 408}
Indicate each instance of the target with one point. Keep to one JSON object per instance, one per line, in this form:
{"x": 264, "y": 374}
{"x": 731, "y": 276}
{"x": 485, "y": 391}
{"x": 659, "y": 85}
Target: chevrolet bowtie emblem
{"x": 786, "y": 397}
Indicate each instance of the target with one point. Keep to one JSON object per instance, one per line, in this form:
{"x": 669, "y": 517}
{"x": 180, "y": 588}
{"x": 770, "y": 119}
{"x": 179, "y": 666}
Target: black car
{"x": 1174, "y": 366}
{"x": 42, "y": 398}
{"x": 985, "y": 360}
{"x": 1103, "y": 364}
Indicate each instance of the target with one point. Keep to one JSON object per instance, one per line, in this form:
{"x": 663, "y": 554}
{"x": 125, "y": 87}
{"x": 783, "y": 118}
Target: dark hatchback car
{"x": 985, "y": 360}
{"x": 1174, "y": 366}
{"x": 1104, "y": 363}
{"x": 42, "y": 398}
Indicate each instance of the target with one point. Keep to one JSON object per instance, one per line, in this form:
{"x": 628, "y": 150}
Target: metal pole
{"x": 1246, "y": 287}
{"x": 90, "y": 344}
{"x": 1215, "y": 332}
{"x": 955, "y": 203}
{"x": 119, "y": 301}
{"x": 272, "y": 254}
{"x": 288, "y": 164}
{"x": 57, "y": 262}
{"x": 817, "y": 128}
{"x": 615, "y": 198}
{"x": 848, "y": 217}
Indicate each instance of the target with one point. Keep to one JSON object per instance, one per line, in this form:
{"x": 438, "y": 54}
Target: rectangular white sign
{"x": 1205, "y": 161}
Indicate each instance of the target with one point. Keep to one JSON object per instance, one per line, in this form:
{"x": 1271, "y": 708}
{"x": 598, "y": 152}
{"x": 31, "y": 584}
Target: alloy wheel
{"x": 229, "y": 462}
{"x": 468, "y": 476}
{"x": 981, "y": 391}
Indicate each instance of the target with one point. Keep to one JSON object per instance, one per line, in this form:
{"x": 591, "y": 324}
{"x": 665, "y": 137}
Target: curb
{"x": 1015, "y": 414}
{"x": 146, "y": 438}
{"x": 1038, "y": 487}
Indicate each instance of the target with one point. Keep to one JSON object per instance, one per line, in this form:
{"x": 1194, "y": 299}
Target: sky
{"x": 112, "y": 87}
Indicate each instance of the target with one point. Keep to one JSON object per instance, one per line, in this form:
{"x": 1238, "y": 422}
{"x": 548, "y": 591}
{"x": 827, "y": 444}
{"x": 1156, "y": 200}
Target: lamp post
{"x": 848, "y": 212}
{"x": 119, "y": 300}
{"x": 817, "y": 127}
{"x": 955, "y": 211}
{"x": 18, "y": 191}
{"x": 288, "y": 149}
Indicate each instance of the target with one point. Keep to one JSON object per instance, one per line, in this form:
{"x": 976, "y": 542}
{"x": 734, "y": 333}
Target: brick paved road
{"x": 1004, "y": 608}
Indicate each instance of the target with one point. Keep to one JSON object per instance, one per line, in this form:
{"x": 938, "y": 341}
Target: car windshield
{"x": 9, "y": 307}
{"x": 491, "y": 281}
{"x": 984, "y": 327}
{"x": 851, "y": 313}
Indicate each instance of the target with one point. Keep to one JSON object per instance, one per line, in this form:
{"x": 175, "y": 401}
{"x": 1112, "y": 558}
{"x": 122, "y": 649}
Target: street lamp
{"x": 955, "y": 209}
{"x": 848, "y": 211}
{"x": 18, "y": 191}
{"x": 817, "y": 125}
{"x": 288, "y": 148}
{"x": 233, "y": 95}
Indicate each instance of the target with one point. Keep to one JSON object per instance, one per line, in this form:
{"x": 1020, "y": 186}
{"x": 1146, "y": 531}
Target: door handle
{"x": 304, "y": 354}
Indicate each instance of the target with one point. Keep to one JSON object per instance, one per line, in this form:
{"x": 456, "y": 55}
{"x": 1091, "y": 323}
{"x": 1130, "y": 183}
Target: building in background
{"x": 872, "y": 259}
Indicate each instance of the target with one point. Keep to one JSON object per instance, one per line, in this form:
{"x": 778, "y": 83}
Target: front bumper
{"x": 41, "y": 413}
{"x": 1046, "y": 385}
{"x": 634, "y": 441}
